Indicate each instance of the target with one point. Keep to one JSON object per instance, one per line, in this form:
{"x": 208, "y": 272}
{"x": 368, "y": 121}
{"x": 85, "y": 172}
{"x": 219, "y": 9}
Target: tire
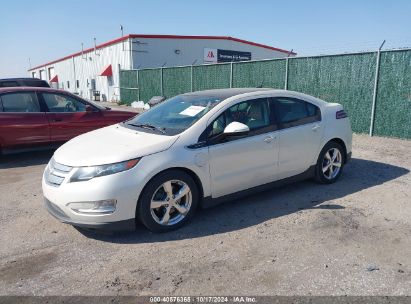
{"x": 161, "y": 192}
{"x": 327, "y": 170}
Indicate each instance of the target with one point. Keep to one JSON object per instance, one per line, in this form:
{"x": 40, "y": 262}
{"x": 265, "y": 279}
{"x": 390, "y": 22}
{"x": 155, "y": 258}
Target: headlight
{"x": 87, "y": 173}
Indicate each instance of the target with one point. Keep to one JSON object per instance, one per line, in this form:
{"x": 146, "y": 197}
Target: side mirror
{"x": 90, "y": 108}
{"x": 236, "y": 128}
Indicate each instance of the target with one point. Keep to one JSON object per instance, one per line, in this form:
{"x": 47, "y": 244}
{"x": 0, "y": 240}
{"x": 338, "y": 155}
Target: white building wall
{"x": 87, "y": 67}
{"x": 154, "y": 52}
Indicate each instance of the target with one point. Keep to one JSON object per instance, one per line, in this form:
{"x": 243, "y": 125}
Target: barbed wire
{"x": 353, "y": 47}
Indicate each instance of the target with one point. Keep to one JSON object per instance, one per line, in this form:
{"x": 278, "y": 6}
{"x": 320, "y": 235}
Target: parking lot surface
{"x": 349, "y": 238}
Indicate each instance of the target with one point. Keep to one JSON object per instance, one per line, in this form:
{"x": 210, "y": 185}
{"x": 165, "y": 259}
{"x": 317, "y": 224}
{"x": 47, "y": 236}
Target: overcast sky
{"x": 46, "y": 30}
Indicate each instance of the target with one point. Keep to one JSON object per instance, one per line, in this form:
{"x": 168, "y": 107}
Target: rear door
{"x": 23, "y": 121}
{"x": 300, "y": 135}
{"x": 68, "y": 117}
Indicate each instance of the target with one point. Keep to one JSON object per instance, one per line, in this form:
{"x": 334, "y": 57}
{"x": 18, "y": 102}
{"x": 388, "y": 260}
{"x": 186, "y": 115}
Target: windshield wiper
{"x": 148, "y": 126}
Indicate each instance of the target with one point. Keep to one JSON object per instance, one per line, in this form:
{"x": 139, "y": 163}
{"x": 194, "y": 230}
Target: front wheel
{"x": 168, "y": 201}
{"x": 330, "y": 163}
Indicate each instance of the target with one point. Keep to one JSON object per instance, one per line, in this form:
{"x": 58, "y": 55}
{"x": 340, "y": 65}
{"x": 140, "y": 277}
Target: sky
{"x": 44, "y": 30}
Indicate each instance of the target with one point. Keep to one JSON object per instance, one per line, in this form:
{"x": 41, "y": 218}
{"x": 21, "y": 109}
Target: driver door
{"x": 241, "y": 162}
{"x": 68, "y": 117}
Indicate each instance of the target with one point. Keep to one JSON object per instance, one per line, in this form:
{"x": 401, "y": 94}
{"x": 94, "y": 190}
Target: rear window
{"x": 7, "y": 84}
{"x": 36, "y": 83}
{"x": 24, "y": 82}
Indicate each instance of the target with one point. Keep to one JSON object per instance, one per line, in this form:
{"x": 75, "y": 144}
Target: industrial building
{"x": 95, "y": 71}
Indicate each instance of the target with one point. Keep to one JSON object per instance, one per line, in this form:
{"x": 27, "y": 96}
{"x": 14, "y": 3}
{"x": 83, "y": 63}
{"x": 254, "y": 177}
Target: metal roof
{"x": 131, "y": 36}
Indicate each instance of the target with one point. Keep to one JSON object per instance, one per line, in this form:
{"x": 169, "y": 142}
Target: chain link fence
{"x": 374, "y": 87}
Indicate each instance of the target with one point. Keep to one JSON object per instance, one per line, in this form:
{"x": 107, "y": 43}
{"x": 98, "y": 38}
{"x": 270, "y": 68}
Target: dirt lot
{"x": 352, "y": 237}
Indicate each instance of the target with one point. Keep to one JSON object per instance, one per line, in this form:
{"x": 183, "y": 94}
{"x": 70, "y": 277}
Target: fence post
{"x": 138, "y": 87}
{"x": 374, "y": 95}
{"x": 231, "y": 74}
{"x": 161, "y": 81}
{"x": 191, "y": 78}
{"x": 286, "y": 74}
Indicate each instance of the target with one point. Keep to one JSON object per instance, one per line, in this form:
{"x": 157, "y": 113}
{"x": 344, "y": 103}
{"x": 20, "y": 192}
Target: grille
{"x": 56, "y": 173}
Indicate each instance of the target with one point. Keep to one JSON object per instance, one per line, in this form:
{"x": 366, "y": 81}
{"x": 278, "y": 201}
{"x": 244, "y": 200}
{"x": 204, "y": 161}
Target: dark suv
{"x": 23, "y": 82}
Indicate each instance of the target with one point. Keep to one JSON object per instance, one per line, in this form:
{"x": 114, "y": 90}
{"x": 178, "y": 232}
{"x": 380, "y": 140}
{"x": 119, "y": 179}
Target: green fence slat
{"x": 266, "y": 74}
{"x": 128, "y": 95}
{"x": 346, "y": 79}
{"x": 213, "y": 76}
{"x": 150, "y": 83}
{"x": 393, "y": 104}
{"x": 176, "y": 81}
{"x": 128, "y": 79}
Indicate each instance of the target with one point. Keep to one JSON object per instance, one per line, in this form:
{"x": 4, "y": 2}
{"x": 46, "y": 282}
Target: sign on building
{"x": 217, "y": 55}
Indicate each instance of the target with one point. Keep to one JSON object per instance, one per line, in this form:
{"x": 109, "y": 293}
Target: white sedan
{"x": 195, "y": 149}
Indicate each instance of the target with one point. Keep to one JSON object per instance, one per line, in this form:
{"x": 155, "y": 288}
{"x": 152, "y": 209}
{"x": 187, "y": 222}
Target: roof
{"x": 22, "y": 89}
{"x": 132, "y": 36}
{"x": 226, "y": 93}
{"x": 19, "y": 78}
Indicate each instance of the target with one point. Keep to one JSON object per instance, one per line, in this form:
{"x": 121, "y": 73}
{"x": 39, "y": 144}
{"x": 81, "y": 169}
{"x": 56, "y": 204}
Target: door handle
{"x": 316, "y": 127}
{"x": 57, "y": 119}
{"x": 269, "y": 139}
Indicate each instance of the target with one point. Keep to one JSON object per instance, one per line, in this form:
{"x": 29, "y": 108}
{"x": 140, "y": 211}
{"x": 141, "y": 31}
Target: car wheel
{"x": 168, "y": 201}
{"x": 330, "y": 163}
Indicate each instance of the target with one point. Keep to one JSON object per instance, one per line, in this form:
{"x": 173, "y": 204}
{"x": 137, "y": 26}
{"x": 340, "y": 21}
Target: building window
{"x": 77, "y": 84}
{"x": 33, "y": 74}
{"x": 51, "y": 73}
{"x": 68, "y": 84}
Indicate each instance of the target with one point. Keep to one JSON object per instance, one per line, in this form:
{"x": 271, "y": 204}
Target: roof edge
{"x": 131, "y": 36}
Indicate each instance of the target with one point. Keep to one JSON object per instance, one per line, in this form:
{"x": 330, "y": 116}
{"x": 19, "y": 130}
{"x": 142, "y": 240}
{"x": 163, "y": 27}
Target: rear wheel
{"x": 330, "y": 163}
{"x": 168, "y": 201}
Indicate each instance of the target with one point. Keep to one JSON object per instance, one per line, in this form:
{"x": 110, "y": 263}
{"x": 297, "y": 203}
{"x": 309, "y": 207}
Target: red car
{"x": 34, "y": 116}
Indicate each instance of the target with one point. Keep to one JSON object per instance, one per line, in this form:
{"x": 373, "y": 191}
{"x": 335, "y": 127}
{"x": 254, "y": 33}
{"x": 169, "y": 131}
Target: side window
{"x": 253, "y": 113}
{"x": 293, "y": 112}
{"x": 61, "y": 103}
{"x": 6, "y": 84}
{"x": 20, "y": 102}
{"x": 218, "y": 126}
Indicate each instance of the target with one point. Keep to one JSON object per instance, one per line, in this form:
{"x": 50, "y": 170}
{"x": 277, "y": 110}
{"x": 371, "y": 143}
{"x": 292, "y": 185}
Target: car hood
{"x": 111, "y": 144}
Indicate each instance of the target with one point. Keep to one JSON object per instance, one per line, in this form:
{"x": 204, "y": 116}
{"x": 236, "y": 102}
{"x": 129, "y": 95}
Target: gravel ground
{"x": 349, "y": 238}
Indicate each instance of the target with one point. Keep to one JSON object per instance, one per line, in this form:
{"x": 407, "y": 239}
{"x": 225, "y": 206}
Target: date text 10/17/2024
{"x": 204, "y": 299}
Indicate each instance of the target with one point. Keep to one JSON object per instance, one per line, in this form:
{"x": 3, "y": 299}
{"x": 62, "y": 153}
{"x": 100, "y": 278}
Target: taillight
{"x": 341, "y": 114}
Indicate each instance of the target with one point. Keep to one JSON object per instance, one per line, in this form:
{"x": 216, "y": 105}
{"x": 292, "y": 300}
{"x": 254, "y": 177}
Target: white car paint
{"x": 222, "y": 169}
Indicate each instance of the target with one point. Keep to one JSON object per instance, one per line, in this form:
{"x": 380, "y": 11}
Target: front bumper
{"x": 55, "y": 211}
{"x": 123, "y": 187}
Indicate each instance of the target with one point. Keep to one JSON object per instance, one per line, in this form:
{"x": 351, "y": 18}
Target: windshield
{"x": 175, "y": 115}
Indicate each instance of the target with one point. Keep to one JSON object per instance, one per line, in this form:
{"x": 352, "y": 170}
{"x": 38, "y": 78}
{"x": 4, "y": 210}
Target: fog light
{"x": 97, "y": 207}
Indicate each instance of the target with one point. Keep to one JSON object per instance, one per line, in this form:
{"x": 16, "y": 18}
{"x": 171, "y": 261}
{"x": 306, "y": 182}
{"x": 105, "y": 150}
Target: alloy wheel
{"x": 171, "y": 202}
{"x": 332, "y": 162}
